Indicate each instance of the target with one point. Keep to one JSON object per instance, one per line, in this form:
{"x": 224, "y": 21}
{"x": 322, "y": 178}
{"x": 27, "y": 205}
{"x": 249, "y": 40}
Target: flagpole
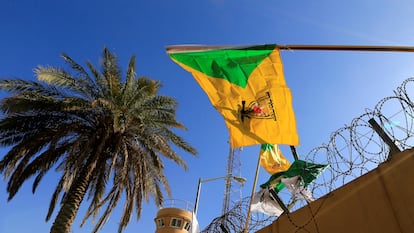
{"x": 366, "y": 48}
{"x": 252, "y": 195}
{"x": 361, "y": 48}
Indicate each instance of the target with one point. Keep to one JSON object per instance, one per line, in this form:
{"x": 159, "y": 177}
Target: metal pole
{"x": 393, "y": 148}
{"x": 252, "y": 196}
{"x": 228, "y": 182}
{"x": 295, "y": 155}
{"x": 279, "y": 201}
{"x": 197, "y": 197}
{"x": 366, "y": 48}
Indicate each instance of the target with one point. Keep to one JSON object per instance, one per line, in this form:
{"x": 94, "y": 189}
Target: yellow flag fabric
{"x": 247, "y": 86}
{"x": 272, "y": 159}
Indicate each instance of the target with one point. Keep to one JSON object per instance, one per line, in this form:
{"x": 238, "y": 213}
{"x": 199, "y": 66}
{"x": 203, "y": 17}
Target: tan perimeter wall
{"x": 381, "y": 201}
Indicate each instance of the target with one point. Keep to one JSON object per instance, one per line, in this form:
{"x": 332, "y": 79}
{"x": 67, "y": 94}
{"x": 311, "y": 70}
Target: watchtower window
{"x": 160, "y": 223}
{"x": 187, "y": 226}
{"x": 176, "y": 222}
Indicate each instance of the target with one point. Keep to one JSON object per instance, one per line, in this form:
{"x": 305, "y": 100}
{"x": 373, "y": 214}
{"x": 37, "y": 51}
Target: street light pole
{"x": 241, "y": 180}
{"x": 197, "y": 196}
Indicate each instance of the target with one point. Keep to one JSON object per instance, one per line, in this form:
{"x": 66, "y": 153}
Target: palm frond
{"x": 75, "y": 66}
{"x": 20, "y": 85}
{"x": 112, "y": 73}
{"x": 81, "y": 86}
{"x": 55, "y": 198}
{"x": 130, "y": 79}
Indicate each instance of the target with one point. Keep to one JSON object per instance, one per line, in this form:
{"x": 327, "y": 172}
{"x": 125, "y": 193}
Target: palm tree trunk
{"x": 70, "y": 207}
{"x": 77, "y": 191}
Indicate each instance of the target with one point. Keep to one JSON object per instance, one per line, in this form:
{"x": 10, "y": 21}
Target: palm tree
{"x": 107, "y": 137}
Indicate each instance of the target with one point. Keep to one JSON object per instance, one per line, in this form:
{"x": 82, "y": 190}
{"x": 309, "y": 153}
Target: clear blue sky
{"x": 329, "y": 88}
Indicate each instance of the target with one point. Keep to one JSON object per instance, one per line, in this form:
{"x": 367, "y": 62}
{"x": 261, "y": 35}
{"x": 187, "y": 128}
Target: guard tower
{"x": 174, "y": 217}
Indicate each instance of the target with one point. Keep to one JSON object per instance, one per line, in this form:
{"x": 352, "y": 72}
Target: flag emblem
{"x": 261, "y": 108}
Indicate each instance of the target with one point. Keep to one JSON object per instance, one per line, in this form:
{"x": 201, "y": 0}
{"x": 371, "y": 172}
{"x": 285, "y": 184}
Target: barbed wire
{"x": 356, "y": 149}
{"x": 352, "y": 151}
{"x": 234, "y": 220}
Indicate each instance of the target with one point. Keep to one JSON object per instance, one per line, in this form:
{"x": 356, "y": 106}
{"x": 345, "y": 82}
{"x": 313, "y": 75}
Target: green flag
{"x": 306, "y": 171}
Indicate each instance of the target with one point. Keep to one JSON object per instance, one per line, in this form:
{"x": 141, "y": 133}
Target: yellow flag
{"x": 247, "y": 86}
{"x": 272, "y": 159}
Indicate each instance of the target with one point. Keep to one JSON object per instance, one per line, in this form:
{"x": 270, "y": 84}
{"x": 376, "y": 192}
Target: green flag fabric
{"x": 306, "y": 171}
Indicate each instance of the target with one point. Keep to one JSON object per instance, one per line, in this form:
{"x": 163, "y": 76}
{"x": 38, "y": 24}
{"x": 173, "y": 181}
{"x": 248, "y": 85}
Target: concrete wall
{"x": 381, "y": 201}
